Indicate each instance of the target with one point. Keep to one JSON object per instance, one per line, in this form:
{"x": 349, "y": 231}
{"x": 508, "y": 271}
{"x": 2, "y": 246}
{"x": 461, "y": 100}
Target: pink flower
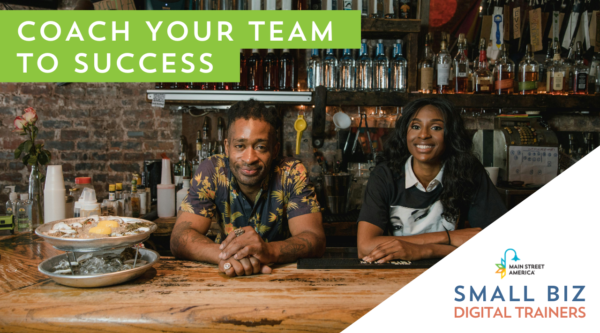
{"x": 20, "y": 124}
{"x": 30, "y": 116}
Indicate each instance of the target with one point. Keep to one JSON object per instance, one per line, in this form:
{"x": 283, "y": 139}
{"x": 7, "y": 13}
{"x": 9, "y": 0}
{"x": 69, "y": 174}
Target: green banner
{"x": 157, "y": 46}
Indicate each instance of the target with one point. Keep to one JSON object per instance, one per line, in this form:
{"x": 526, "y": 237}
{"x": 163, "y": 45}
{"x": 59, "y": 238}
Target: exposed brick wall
{"x": 102, "y": 130}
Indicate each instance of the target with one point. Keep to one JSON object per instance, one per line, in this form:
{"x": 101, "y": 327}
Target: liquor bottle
{"x": 347, "y": 4}
{"x": 443, "y": 63}
{"x": 135, "y": 200}
{"x": 461, "y": 68}
{"x": 347, "y": 72}
{"x": 179, "y": 166}
{"x": 315, "y": 4}
{"x": 330, "y": 70}
{"x": 287, "y": 72}
{"x": 220, "y": 149}
{"x": 528, "y": 73}
{"x": 23, "y": 218}
{"x": 425, "y": 68}
{"x": 381, "y": 69}
{"x": 580, "y": 73}
{"x": 483, "y": 76}
{"x": 377, "y": 9}
{"x": 242, "y": 85}
{"x": 568, "y": 65}
{"x": 198, "y": 159}
{"x": 205, "y": 138}
{"x": 504, "y": 73}
{"x": 404, "y": 10}
{"x": 555, "y": 77}
{"x": 543, "y": 83}
{"x": 300, "y": 5}
{"x": 364, "y": 7}
{"x": 390, "y": 12}
{"x": 315, "y": 70}
{"x": 271, "y": 71}
{"x": 255, "y": 70}
{"x": 240, "y": 4}
{"x": 594, "y": 76}
{"x": 399, "y": 73}
{"x": 364, "y": 69}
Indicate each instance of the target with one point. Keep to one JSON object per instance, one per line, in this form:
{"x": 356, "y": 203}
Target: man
{"x": 266, "y": 207}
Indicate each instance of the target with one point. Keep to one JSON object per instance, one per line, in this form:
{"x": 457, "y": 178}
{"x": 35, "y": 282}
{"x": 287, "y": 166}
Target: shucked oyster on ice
{"x": 91, "y": 264}
{"x": 99, "y": 227}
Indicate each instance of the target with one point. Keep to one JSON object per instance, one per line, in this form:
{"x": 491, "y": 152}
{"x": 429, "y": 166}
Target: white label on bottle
{"x": 558, "y": 81}
{"x": 443, "y": 72}
{"x": 158, "y": 100}
{"x": 462, "y": 70}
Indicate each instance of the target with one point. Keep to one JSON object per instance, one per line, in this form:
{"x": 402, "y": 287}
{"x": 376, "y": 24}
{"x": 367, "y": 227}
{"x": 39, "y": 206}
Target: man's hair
{"x": 254, "y": 110}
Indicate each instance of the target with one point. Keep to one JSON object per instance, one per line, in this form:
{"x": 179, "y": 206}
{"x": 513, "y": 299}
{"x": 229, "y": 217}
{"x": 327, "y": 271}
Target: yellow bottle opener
{"x": 299, "y": 126}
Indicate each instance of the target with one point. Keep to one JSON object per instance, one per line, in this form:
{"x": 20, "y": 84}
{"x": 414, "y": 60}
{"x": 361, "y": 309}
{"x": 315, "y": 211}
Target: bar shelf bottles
{"x": 443, "y": 64}
{"x": 399, "y": 73}
{"x": 255, "y": 70}
{"x": 461, "y": 68}
{"x": 347, "y": 72}
{"x": 425, "y": 68}
{"x": 271, "y": 71}
{"x": 555, "y": 76}
{"x": 568, "y": 65}
{"x": 364, "y": 69}
{"x": 330, "y": 70}
{"x": 243, "y": 84}
{"x": 580, "y": 73}
{"x": 315, "y": 70}
{"x": 543, "y": 83}
{"x": 381, "y": 69}
{"x": 287, "y": 72}
{"x": 504, "y": 73}
{"x": 377, "y": 9}
{"x": 528, "y": 73}
{"x": 483, "y": 77}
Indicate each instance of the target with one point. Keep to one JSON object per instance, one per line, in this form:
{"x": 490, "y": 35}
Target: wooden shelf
{"x": 220, "y": 97}
{"x": 535, "y": 102}
{"x": 388, "y": 28}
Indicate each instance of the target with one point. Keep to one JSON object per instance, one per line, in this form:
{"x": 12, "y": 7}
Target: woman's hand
{"x": 395, "y": 249}
{"x": 461, "y": 236}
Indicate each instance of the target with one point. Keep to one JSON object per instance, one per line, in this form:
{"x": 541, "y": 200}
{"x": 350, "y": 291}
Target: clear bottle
{"x": 580, "y": 73}
{"x": 287, "y": 72}
{"x": 315, "y": 70}
{"x": 271, "y": 71}
{"x": 399, "y": 72}
{"x": 555, "y": 77}
{"x": 364, "y": 69}
{"x": 243, "y": 84}
{"x": 364, "y": 10}
{"x": 461, "y": 68}
{"x": 347, "y": 72}
{"x": 11, "y": 205}
{"x": 199, "y": 147}
{"x": 330, "y": 70}
{"x": 220, "y": 149}
{"x": 425, "y": 67}
{"x": 255, "y": 71}
{"x": 594, "y": 77}
{"x": 568, "y": 64}
{"x": 483, "y": 77}
{"x": 443, "y": 64}
{"x": 205, "y": 140}
{"x": 504, "y": 73}
{"x": 381, "y": 69}
{"x": 528, "y": 73}
{"x": 543, "y": 84}
{"x": 24, "y": 214}
{"x": 135, "y": 200}
{"x": 377, "y": 9}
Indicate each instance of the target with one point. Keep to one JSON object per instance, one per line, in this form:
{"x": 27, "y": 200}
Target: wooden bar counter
{"x": 187, "y": 296}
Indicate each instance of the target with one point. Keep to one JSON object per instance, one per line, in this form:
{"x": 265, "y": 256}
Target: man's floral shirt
{"x": 285, "y": 194}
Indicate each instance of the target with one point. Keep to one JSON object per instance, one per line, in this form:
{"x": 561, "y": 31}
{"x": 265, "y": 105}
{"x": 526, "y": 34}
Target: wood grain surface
{"x": 186, "y": 296}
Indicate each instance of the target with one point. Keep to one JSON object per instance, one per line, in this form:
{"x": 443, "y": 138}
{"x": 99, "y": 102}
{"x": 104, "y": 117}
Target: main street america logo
{"x": 502, "y": 265}
{"x": 515, "y": 269}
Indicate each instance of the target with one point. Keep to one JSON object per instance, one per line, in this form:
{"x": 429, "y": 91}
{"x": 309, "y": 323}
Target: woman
{"x": 428, "y": 185}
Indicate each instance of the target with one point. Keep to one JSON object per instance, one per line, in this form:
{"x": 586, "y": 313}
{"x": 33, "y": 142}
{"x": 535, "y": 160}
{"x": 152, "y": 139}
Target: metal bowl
{"x": 92, "y": 244}
{"x": 100, "y": 280}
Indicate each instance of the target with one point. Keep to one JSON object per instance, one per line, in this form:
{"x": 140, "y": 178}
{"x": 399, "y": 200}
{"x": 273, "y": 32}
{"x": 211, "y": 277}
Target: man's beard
{"x": 250, "y": 181}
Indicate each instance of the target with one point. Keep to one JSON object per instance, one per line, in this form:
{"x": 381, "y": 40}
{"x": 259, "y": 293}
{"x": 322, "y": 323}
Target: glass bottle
{"x": 542, "y": 84}
{"x": 205, "y": 139}
{"x": 425, "y": 68}
{"x": 330, "y": 70}
{"x": 377, "y": 9}
{"x": 119, "y": 191}
{"x": 381, "y": 69}
{"x": 347, "y": 72}
{"x": 220, "y": 132}
{"x": 23, "y": 219}
{"x": 255, "y": 70}
{"x": 111, "y": 192}
{"x": 135, "y": 200}
{"x": 398, "y": 76}
{"x": 364, "y": 9}
{"x": 11, "y": 205}
{"x": 555, "y": 77}
{"x": 460, "y": 67}
{"x": 580, "y": 73}
{"x": 315, "y": 4}
{"x": 364, "y": 69}
{"x": 390, "y": 13}
{"x": 300, "y": 5}
{"x": 315, "y": 70}
{"x": 483, "y": 76}
{"x": 35, "y": 195}
{"x": 271, "y": 71}
{"x": 243, "y": 84}
{"x": 504, "y": 73}
{"x": 287, "y": 72}
{"x": 594, "y": 74}
{"x": 199, "y": 147}
{"x": 443, "y": 64}
{"x": 568, "y": 65}
{"x": 528, "y": 73}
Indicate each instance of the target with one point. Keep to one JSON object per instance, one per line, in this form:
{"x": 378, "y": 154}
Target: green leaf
{"x": 27, "y": 146}
{"x": 25, "y": 159}
{"x": 43, "y": 159}
{"x": 32, "y": 160}
{"x": 18, "y": 153}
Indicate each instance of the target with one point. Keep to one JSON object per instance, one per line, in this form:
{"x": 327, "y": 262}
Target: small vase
{"x": 35, "y": 195}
